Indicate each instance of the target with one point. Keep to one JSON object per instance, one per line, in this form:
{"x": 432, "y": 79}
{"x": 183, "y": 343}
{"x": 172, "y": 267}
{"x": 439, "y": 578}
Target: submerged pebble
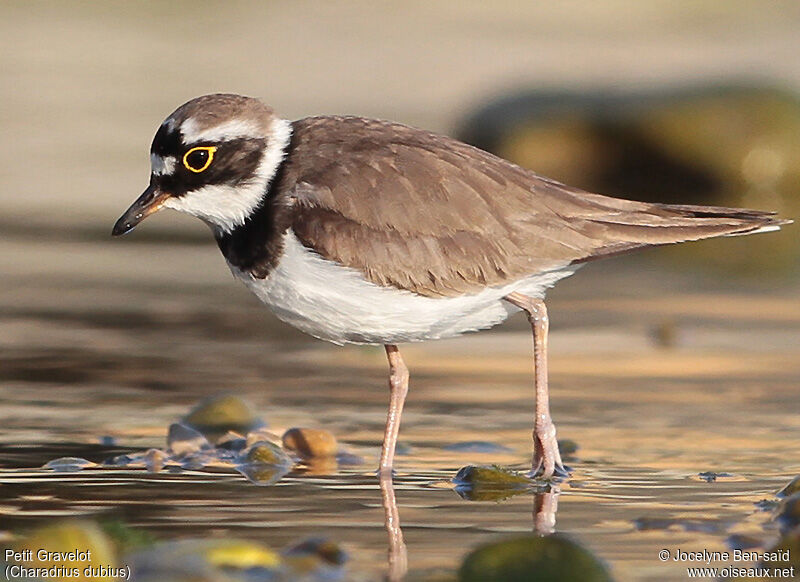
{"x": 69, "y": 464}
{"x": 310, "y": 442}
{"x": 254, "y": 455}
{"x": 215, "y": 416}
{"x": 525, "y": 558}
{"x": 184, "y": 440}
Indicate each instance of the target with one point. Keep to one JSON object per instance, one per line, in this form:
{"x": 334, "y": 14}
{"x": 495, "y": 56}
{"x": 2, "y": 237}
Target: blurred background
{"x": 692, "y": 101}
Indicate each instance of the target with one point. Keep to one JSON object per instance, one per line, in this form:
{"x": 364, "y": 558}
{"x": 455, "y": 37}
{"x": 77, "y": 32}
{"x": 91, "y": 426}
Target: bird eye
{"x": 198, "y": 159}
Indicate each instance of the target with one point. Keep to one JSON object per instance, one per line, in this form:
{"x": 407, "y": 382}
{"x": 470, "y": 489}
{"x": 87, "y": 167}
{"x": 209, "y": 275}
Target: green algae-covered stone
{"x": 215, "y": 416}
{"x": 490, "y": 475}
{"x": 527, "y": 558}
{"x": 264, "y": 463}
{"x": 492, "y": 483}
{"x": 266, "y": 453}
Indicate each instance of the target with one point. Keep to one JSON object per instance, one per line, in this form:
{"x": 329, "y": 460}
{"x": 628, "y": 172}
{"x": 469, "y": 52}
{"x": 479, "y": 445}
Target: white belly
{"x": 335, "y": 303}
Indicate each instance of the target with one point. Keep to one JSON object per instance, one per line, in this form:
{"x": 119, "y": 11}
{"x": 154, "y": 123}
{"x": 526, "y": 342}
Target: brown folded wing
{"x": 432, "y": 215}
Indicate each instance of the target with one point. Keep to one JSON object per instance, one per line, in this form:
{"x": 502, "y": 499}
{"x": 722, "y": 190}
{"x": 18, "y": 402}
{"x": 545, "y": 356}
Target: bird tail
{"x": 630, "y": 225}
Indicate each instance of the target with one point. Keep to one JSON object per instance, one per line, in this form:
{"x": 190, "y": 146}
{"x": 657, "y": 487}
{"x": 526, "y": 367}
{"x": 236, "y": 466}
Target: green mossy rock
{"x": 215, "y": 416}
{"x": 528, "y": 558}
{"x": 493, "y": 483}
{"x": 475, "y": 475}
{"x": 267, "y": 453}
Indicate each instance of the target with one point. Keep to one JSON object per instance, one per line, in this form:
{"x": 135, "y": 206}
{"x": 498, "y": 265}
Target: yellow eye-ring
{"x": 199, "y": 159}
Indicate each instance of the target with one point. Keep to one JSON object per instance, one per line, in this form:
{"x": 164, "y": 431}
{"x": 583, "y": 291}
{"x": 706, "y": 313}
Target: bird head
{"x": 213, "y": 158}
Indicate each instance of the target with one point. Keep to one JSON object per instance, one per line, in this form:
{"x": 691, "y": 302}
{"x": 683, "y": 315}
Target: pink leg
{"x": 546, "y": 458}
{"x": 398, "y": 388}
{"x": 397, "y": 554}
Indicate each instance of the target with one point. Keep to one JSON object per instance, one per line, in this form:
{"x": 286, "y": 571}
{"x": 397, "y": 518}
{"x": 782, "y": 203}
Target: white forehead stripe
{"x": 225, "y": 207}
{"x": 161, "y": 166}
{"x": 229, "y": 130}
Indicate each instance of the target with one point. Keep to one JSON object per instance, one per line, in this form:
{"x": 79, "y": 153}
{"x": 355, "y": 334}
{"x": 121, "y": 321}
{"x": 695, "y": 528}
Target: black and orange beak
{"x": 149, "y": 202}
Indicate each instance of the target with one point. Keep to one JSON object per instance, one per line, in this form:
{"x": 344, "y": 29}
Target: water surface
{"x": 657, "y": 376}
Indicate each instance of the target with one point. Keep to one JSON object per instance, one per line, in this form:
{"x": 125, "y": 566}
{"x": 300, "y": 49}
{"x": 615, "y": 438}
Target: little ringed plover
{"x": 363, "y": 231}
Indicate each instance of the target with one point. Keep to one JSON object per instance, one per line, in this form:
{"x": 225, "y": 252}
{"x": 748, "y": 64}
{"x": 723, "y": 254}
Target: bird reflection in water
{"x": 397, "y": 554}
{"x": 545, "y": 506}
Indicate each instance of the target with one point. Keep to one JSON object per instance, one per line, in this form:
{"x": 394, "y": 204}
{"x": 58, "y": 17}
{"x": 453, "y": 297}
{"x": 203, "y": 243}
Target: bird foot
{"x": 546, "y": 456}
{"x": 559, "y": 472}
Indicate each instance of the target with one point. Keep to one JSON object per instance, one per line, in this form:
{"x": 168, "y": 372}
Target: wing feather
{"x": 435, "y": 216}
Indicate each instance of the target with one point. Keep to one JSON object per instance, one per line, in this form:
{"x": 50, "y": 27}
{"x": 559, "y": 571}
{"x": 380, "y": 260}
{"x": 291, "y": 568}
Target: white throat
{"x": 225, "y": 207}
